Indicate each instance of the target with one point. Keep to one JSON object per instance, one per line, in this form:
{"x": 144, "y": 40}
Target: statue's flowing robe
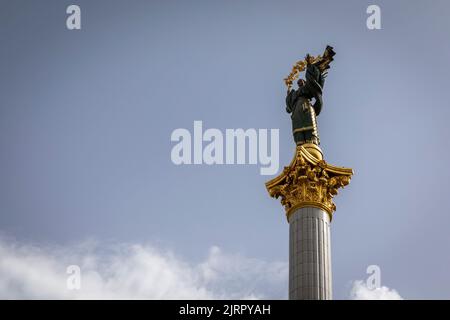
{"x": 303, "y": 114}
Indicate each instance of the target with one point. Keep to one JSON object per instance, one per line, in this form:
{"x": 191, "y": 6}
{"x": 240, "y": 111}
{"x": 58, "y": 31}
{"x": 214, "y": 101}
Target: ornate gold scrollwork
{"x": 309, "y": 181}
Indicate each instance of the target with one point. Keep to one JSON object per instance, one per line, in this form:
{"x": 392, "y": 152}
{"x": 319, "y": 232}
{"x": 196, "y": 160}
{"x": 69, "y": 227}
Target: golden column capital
{"x": 309, "y": 181}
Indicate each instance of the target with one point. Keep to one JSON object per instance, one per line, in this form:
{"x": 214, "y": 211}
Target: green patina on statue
{"x": 299, "y": 102}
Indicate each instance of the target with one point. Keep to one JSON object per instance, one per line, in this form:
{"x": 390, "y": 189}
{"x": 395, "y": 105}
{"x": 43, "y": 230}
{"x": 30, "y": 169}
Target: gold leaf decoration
{"x": 308, "y": 181}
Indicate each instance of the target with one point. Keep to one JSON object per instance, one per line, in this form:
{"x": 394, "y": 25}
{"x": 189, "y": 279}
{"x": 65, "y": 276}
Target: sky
{"x": 86, "y": 118}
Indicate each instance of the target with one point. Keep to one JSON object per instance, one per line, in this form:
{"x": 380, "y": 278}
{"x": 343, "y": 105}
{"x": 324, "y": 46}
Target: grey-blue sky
{"x": 86, "y": 118}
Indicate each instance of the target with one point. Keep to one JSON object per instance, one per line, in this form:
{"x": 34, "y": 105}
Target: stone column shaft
{"x": 309, "y": 255}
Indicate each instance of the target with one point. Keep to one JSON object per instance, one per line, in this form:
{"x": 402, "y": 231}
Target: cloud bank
{"x": 135, "y": 272}
{"x": 360, "y": 291}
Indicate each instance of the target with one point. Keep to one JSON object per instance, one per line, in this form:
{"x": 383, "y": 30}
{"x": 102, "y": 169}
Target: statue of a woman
{"x": 298, "y": 102}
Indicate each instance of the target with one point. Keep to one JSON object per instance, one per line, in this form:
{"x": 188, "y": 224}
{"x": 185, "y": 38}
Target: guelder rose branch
{"x": 236, "y": 146}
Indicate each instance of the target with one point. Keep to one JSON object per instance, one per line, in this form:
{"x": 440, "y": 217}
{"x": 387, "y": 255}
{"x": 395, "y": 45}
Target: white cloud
{"x": 143, "y": 272}
{"x": 360, "y": 291}
{"x": 135, "y": 272}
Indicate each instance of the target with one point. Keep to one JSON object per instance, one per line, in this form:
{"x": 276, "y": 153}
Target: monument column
{"x": 307, "y": 187}
{"x": 309, "y": 255}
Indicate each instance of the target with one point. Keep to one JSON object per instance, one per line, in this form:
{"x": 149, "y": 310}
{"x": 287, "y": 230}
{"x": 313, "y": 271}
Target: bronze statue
{"x": 298, "y": 102}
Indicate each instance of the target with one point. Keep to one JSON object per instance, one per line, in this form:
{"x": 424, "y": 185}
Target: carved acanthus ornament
{"x": 309, "y": 181}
